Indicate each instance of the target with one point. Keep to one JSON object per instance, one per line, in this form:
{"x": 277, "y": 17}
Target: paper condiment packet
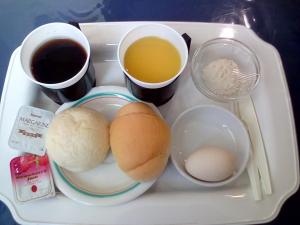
{"x": 28, "y": 133}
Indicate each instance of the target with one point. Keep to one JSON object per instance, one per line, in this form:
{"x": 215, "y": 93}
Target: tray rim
{"x": 283, "y": 198}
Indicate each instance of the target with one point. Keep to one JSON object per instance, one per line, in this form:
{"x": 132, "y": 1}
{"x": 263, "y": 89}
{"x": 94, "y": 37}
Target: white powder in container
{"x": 223, "y": 77}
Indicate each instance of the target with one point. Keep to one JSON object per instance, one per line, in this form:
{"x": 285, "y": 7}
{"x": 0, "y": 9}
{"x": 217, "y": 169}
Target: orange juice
{"x": 152, "y": 60}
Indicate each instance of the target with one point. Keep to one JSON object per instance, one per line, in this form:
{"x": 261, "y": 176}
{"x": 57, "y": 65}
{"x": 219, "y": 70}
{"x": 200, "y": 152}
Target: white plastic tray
{"x": 172, "y": 199}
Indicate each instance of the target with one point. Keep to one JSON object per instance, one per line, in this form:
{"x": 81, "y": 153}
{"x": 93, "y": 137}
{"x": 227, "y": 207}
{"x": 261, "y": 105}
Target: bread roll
{"x": 135, "y": 107}
{"x": 140, "y": 142}
{"x": 78, "y": 139}
{"x": 149, "y": 170}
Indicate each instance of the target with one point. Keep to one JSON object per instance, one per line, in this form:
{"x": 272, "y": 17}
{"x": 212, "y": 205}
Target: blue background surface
{"x": 275, "y": 21}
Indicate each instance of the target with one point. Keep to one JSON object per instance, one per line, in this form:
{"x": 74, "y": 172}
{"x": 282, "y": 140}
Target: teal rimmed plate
{"x": 106, "y": 184}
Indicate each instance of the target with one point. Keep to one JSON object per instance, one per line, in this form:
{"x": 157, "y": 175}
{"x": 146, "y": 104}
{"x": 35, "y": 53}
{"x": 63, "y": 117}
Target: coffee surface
{"x": 57, "y": 61}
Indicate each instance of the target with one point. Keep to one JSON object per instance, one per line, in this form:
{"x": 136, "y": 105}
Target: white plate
{"x": 106, "y": 184}
{"x": 172, "y": 199}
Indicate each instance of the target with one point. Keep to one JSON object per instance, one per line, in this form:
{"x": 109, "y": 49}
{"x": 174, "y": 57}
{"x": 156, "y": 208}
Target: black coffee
{"x": 57, "y": 61}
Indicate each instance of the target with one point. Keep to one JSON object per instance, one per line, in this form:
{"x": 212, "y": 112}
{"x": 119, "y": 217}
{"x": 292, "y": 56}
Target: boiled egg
{"x": 211, "y": 164}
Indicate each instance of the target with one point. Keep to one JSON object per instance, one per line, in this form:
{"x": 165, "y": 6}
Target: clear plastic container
{"x": 244, "y": 65}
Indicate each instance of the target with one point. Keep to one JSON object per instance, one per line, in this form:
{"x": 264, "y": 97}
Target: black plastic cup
{"x": 156, "y": 93}
{"x": 75, "y": 87}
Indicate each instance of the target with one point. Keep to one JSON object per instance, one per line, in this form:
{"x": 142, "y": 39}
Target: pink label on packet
{"x": 31, "y": 177}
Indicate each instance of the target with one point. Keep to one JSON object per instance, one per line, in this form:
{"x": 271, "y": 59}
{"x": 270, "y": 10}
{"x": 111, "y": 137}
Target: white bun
{"x": 78, "y": 139}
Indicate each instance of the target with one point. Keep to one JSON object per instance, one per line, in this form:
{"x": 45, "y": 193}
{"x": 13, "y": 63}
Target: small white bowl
{"x": 209, "y": 126}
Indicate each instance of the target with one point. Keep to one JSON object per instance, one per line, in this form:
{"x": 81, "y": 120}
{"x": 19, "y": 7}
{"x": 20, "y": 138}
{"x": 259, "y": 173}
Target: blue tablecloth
{"x": 275, "y": 21}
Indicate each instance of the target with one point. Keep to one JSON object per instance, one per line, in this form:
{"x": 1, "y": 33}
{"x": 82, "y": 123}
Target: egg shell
{"x": 211, "y": 164}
